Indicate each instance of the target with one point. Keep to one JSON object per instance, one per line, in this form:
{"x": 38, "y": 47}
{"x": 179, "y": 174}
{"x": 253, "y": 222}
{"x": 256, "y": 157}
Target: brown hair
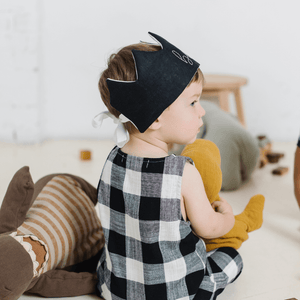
{"x": 121, "y": 66}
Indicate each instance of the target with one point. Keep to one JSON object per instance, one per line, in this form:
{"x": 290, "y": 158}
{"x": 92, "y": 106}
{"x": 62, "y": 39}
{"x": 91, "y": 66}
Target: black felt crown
{"x": 161, "y": 77}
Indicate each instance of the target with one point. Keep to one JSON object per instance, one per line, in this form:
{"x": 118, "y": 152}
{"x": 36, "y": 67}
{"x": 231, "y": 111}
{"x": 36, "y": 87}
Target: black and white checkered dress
{"x": 150, "y": 251}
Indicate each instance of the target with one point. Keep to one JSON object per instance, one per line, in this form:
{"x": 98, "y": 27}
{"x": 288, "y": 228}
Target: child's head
{"x": 128, "y": 65}
{"x": 121, "y": 66}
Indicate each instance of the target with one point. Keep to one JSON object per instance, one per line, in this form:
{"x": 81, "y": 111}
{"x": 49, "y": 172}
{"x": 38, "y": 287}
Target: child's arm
{"x": 297, "y": 175}
{"x": 205, "y": 221}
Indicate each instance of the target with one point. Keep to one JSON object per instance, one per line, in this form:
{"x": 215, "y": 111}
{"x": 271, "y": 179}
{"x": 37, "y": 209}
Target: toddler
{"x": 153, "y": 206}
{"x": 297, "y": 173}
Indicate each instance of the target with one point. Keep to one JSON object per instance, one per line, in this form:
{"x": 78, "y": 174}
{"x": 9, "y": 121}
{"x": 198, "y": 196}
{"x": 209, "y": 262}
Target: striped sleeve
{"x": 64, "y": 218}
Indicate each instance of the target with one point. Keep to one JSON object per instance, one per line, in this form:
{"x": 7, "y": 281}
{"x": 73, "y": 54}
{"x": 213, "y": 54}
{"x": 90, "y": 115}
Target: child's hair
{"x": 121, "y": 66}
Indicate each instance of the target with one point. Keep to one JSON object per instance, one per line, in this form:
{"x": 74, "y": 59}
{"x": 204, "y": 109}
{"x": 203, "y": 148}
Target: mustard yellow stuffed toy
{"x": 206, "y": 157}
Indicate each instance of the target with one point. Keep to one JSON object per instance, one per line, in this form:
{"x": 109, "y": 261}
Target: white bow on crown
{"x": 121, "y": 135}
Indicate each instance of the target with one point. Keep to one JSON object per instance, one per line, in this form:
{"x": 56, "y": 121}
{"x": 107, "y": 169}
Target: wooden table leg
{"x": 239, "y": 106}
{"x": 224, "y": 99}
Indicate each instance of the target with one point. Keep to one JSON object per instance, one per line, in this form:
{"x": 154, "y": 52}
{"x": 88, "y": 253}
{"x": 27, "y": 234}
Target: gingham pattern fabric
{"x": 150, "y": 251}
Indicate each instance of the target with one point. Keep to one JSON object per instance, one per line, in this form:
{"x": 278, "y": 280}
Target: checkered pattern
{"x": 150, "y": 251}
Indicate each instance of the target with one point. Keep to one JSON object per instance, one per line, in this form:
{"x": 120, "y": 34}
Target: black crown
{"x": 161, "y": 77}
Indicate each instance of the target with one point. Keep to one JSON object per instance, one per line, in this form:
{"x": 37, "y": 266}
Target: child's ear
{"x": 156, "y": 124}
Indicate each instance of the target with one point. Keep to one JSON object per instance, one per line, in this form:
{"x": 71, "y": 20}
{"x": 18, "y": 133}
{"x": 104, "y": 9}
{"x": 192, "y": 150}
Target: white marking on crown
{"x": 183, "y": 58}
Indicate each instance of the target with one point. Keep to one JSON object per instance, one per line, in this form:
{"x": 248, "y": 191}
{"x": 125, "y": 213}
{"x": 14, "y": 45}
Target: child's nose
{"x": 201, "y": 111}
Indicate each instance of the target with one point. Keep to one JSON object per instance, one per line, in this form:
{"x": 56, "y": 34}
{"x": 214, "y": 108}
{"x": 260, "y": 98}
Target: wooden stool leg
{"x": 224, "y": 100}
{"x": 239, "y": 106}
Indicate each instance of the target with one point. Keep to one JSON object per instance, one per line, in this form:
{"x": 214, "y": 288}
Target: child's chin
{"x": 191, "y": 141}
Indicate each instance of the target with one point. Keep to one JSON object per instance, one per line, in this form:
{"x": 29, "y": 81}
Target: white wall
{"x": 50, "y": 62}
{"x": 20, "y": 104}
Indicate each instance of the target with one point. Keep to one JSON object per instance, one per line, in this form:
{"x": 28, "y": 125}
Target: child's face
{"x": 182, "y": 120}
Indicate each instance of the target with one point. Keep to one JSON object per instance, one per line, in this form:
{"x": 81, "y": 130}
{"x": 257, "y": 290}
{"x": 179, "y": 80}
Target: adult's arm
{"x": 297, "y": 173}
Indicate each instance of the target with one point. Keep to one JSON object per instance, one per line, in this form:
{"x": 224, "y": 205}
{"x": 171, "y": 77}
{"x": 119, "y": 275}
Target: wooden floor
{"x": 271, "y": 255}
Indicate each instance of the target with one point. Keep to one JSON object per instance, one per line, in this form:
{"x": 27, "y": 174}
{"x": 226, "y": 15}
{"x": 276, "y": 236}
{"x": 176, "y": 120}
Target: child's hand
{"x": 222, "y": 206}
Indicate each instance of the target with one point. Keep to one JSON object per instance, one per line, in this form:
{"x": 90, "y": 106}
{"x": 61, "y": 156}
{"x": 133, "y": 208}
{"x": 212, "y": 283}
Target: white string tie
{"x": 121, "y": 135}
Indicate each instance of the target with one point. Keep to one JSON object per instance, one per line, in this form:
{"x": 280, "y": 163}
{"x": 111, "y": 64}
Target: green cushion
{"x": 239, "y": 150}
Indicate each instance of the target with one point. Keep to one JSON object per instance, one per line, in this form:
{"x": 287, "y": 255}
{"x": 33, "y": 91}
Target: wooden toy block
{"x": 280, "y": 171}
{"x": 274, "y": 157}
{"x": 85, "y": 155}
{"x": 261, "y": 137}
{"x": 265, "y": 147}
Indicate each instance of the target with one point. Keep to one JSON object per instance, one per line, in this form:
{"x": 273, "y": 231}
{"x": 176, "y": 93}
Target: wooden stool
{"x": 221, "y": 86}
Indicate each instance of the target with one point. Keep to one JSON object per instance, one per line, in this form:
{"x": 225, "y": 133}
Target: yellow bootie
{"x": 252, "y": 215}
{"x": 206, "y": 157}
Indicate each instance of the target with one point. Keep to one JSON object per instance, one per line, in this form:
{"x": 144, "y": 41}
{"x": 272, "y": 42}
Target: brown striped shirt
{"x": 65, "y": 219}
